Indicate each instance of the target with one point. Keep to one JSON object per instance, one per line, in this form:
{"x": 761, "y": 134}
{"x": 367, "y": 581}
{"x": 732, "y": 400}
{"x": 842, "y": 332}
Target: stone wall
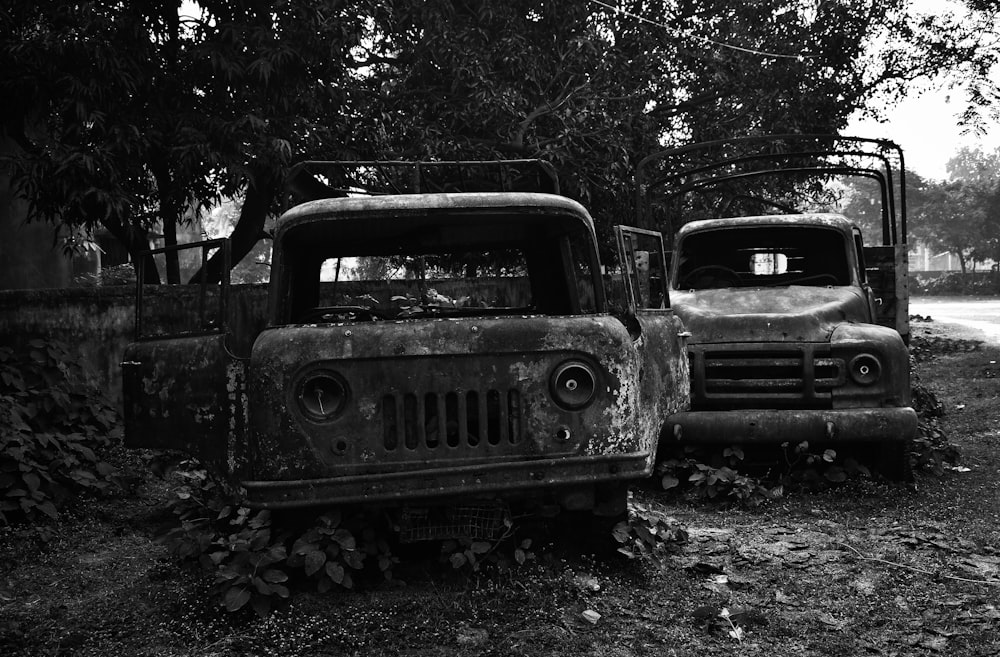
{"x": 97, "y": 323}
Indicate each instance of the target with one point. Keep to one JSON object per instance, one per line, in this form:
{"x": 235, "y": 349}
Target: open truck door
{"x": 644, "y": 267}
{"x": 183, "y": 387}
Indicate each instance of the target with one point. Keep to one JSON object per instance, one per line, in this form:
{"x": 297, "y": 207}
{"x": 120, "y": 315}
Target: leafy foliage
{"x": 473, "y": 555}
{"x": 649, "y": 536}
{"x": 125, "y": 113}
{"x": 53, "y": 427}
{"x": 254, "y": 559}
{"x": 686, "y": 471}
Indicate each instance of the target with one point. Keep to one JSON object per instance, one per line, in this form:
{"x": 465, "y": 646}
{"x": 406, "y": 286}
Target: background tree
{"x": 128, "y": 114}
{"x": 979, "y": 172}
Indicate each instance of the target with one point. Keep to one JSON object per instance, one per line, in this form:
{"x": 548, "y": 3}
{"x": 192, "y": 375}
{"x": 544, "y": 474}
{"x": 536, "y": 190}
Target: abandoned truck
{"x": 785, "y": 309}
{"x": 446, "y": 350}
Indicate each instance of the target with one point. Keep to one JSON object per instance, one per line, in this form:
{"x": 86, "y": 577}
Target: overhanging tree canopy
{"x": 127, "y": 114}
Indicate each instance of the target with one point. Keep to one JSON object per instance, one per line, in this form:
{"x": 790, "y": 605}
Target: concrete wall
{"x": 97, "y": 323}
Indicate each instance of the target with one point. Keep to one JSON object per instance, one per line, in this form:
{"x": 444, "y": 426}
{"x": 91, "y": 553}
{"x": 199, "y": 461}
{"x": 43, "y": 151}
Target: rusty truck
{"x": 438, "y": 340}
{"x": 799, "y": 327}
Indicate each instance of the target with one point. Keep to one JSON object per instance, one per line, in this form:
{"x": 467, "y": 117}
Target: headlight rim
{"x": 339, "y": 404}
{"x": 865, "y": 360}
{"x": 586, "y": 397}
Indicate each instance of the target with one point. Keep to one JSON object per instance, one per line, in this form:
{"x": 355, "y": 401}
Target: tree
{"x": 980, "y": 173}
{"x": 129, "y": 113}
{"x": 953, "y": 217}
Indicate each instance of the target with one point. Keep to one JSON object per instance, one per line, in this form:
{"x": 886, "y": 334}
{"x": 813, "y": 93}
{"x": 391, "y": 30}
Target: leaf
{"x": 480, "y": 547}
{"x": 829, "y": 456}
{"x": 457, "y": 560}
{"x": 273, "y": 575}
{"x": 236, "y": 598}
{"x": 670, "y": 481}
{"x": 262, "y": 587}
{"x": 335, "y": 572}
{"x": 314, "y": 561}
{"x": 48, "y": 509}
{"x": 32, "y": 480}
{"x": 345, "y": 539}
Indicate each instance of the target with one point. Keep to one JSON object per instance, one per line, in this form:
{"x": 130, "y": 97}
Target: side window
{"x": 643, "y": 267}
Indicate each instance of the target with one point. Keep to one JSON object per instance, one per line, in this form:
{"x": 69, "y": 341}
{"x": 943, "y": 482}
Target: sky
{"x": 925, "y": 124}
{"x": 926, "y": 127}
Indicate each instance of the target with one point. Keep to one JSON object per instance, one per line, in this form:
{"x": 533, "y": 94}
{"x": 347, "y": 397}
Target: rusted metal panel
{"x": 385, "y": 403}
{"x": 775, "y": 426}
{"x": 887, "y": 274}
{"x": 428, "y": 396}
{"x": 779, "y": 362}
{"x": 790, "y": 314}
{"x": 186, "y": 394}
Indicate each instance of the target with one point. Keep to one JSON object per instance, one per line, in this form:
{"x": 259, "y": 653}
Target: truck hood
{"x": 779, "y": 314}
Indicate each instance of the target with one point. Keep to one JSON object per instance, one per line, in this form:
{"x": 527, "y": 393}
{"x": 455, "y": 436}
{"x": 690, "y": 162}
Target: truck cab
{"x": 440, "y": 349}
{"x": 798, "y": 329}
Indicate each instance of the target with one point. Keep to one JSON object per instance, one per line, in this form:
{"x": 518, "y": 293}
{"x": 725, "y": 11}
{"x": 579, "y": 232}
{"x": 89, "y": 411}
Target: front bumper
{"x": 765, "y": 426}
{"x": 480, "y": 480}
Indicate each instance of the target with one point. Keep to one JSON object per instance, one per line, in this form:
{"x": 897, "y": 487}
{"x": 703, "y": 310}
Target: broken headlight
{"x": 865, "y": 369}
{"x": 573, "y": 384}
{"x": 322, "y": 395}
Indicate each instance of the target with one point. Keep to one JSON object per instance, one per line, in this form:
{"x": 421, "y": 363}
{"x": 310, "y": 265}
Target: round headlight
{"x": 865, "y": 369}
{"x": 573, "y": 384}
{"x": 322, "y": 395}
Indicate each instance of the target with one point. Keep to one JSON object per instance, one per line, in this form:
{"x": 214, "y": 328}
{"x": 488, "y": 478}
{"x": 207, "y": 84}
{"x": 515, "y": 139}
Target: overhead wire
{"x": 692, "y": 35}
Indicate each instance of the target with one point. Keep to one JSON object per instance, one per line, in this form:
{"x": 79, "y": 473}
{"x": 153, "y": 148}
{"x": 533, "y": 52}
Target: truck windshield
{"x": 762, "y": 256}
{"x": 351, "y": 280}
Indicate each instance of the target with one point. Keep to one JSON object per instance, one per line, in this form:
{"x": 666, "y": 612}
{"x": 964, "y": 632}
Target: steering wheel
{"x": 330, "y": 314}
{"x": 715, "y": 273}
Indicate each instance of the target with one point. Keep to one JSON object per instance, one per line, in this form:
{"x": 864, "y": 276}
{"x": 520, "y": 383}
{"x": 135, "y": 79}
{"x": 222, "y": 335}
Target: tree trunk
{"x": 136, "y": 240}
{"x": 247, "y": 232}
{"x": 168, "y": 214}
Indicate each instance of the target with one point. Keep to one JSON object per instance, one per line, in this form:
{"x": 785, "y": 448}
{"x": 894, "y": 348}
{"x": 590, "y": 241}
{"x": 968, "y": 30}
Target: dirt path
{"x": 863, "y": 569}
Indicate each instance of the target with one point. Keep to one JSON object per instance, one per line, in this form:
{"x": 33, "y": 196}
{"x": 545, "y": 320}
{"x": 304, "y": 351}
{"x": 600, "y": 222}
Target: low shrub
{"x": 956, "y": 284}
{"x": 54, "y": 426}
{"x": 255, "y": 558}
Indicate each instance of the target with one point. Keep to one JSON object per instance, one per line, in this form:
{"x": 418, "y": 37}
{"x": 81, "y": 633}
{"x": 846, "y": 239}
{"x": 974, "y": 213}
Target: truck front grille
{"x": 764, "y": 376}
{"x": 434, "y": 420}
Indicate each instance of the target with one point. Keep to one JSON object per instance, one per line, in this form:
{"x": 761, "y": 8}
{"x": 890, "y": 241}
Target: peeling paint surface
{"x": 564, "y": 396}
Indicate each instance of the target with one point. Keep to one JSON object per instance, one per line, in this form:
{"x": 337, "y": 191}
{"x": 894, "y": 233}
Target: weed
{"x": 53, "y": 426}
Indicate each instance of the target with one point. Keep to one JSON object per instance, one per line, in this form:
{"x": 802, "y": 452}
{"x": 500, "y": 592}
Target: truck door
{"x": 887, "y": 275}
{"x": 182, "y": 387}
{"x": 664, "y": 370}
{"x": 644, "y": 267}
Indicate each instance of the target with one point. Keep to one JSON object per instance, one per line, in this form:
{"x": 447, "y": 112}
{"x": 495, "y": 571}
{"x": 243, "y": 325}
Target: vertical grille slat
{"x": 457, "y": 419}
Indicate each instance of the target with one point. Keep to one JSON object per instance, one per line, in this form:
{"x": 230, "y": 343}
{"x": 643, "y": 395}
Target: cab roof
{"x": 464, "y": 208}
{"x": 823, "y": 219}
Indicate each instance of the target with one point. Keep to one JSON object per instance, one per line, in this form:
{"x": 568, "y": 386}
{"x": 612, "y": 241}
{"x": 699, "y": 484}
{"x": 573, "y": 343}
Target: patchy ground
{"x": 864, "y": 569}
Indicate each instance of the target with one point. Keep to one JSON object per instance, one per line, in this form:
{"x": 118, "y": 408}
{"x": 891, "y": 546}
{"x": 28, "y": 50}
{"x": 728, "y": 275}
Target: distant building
{"x": 924, "y": 259}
